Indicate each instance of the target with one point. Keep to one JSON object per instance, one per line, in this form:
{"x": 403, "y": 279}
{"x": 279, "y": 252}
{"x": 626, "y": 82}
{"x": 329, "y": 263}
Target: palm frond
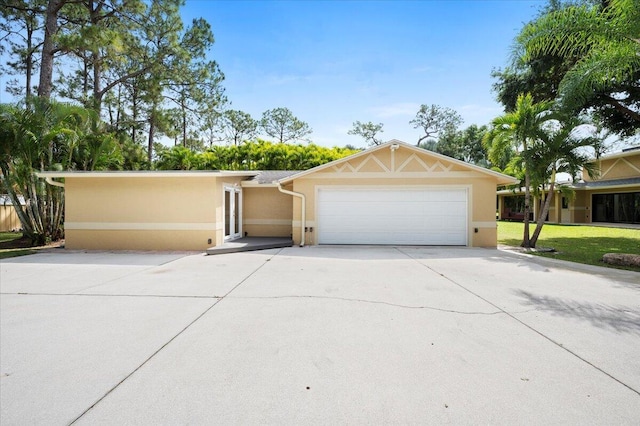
{"x": 598, "y": 71}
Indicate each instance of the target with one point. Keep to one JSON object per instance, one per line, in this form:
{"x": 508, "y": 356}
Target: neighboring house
{"x": 9, "y": 220}
{"x": 611, "y": 197}
{"x": 393, "y": 193}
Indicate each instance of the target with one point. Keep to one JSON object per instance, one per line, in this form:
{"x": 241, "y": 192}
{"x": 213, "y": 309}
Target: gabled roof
{"x": 501, "y": 178}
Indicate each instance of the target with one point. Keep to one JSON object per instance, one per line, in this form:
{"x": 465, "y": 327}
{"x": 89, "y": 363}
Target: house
{"x": 611, "y": 197}
{"x": 9, "y": 220}
{"x": 393, "y": 193}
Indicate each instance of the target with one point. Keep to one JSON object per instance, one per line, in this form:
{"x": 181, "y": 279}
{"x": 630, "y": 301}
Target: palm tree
{"x": 602, "y": 44}
{"x": 558, "y": 149}
{"x": 518, "y": 130}
{"x": 42, "y": 136}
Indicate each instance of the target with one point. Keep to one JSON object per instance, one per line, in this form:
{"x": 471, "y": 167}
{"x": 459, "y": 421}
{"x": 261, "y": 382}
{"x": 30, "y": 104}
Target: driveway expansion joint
{"x": 169, "y": 296}
{"x": 218, "y": 300}
{"x": 559, "y": 345}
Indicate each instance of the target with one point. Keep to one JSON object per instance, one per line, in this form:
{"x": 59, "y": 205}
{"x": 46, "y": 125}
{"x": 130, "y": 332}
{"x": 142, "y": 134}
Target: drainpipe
{"x": 52, "y": 182}
{"x": 304, "y": 202}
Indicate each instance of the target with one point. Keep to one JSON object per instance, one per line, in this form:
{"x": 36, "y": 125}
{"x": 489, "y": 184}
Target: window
{"x": 620, "y": 207}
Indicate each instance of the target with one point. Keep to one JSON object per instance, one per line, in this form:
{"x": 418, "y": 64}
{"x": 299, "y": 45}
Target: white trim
{"x": 142, "y": 226}
{"x": 254, "y": 184}
{"x": 286, "y": 222}
{"x": 236, "y": 211}
{"x": 396, "y": 175}
{"x": 147, "y": 174}
{"x": 386, "y": 187}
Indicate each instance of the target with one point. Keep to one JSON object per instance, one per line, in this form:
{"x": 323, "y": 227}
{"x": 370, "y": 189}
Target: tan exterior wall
{"x": 403, "y": 168}
{"x": 579, "y": 209}
{"x": 144, "y": 213}
{"x": 187, "y": 212}
{"x": 9, "y": 219}
{"x": 267, "y": 212}
{"x": 627, "y": 166}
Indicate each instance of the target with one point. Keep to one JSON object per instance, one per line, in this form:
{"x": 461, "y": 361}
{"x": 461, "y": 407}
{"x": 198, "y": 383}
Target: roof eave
{"x": 502, "y": 179}
{"x": 145, "y": 174}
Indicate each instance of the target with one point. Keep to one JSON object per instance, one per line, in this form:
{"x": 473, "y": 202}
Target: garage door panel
{"x": 399, "y": 216}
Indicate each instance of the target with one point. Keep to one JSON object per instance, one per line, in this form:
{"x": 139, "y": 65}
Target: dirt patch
{"x": 25, "y": 243}
{"x": 18, "y": 243}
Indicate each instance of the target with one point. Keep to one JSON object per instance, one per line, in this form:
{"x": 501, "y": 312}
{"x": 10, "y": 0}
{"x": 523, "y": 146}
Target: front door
{"x": 232, "y": 212}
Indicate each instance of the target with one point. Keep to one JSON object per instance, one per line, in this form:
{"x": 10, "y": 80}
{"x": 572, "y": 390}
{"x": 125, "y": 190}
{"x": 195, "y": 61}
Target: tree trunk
{"x": 27, "y": 226}
{"x": 97, "y": 75}
{"x": 526, "y": 243}
{"x": 151, "y": 136}
{"x": 545, "y": 210}
{"x": 48, "y": 48}
{"x": 29, "y": 61}
{"x": 134, "y": 111}
{"x": 184, "y": 126}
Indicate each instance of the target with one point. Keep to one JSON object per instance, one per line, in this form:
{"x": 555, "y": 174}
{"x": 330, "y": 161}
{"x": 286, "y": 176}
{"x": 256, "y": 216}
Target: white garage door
{"x": 398, "y": 216}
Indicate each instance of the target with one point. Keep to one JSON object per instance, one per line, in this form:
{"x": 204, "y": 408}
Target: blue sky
{"x": 335, "y": 62}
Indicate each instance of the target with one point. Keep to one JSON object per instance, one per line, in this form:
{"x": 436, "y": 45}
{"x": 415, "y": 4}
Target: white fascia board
{"x": 145, "y": 174}
{"x": 252, "y": 184}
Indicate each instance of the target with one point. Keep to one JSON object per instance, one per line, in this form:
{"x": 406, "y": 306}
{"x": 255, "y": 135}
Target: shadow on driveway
{"x": 623, "y": 319}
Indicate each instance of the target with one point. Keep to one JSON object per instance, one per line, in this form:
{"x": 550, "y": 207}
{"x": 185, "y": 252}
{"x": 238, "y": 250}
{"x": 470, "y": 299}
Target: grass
{"x": 581, "y": 244}
{"x": 7, "y": 237}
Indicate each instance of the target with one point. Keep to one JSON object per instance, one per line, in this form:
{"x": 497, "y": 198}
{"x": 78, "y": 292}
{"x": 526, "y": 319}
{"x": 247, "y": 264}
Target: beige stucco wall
{"x": 626, "y": 166}
{"x": 403, "y": 168}
{"x": 144, "y": 213}
{"x": 9, "y": 218}
{"x": 580, "y": 207}
{"x": 267, "y": 212}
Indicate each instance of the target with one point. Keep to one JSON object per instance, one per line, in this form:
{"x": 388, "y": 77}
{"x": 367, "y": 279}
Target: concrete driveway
{"x": 317, "y": 335}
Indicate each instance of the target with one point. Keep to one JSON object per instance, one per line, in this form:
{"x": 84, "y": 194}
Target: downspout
{"x": 52, "y": 182}
{"x": 303, "y": 218}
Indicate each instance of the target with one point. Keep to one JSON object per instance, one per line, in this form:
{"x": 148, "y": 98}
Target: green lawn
{"x": 582, "y": 244}
{"x": 8, "y": 236}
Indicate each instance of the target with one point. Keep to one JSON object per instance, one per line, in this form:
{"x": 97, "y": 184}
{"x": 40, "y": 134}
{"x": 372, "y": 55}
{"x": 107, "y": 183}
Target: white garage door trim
{"x": 390, "y": 215}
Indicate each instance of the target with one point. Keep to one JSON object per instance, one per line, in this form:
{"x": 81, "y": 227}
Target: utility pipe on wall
{"x": 50, "y": 181}
{"x": 304, "y": 202}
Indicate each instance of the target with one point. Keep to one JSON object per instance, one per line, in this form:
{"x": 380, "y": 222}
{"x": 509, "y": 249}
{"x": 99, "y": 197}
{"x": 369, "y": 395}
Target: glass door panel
{"x": 232, "y": 212}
